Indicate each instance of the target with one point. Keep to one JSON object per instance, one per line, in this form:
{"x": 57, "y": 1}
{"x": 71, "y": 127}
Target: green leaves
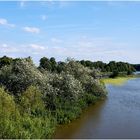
{"x": 31, "y": 101}
{"x": 27, "y": 119}
{"x": 38, "y": 97}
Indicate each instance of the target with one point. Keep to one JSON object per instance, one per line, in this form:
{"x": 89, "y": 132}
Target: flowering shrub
{"x": 37, "y": 97}
{"x": 20, "y": 75}
{"x": 87, "y": 78}
{"x": 67, "y": 86}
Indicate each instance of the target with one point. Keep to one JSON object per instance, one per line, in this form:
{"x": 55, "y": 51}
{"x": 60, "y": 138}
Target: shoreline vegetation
{"x": 118, "y": 81}
{"x": 34, "y": 100}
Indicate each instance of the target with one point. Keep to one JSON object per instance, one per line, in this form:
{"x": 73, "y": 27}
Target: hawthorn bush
{"x": 35, "y": 99}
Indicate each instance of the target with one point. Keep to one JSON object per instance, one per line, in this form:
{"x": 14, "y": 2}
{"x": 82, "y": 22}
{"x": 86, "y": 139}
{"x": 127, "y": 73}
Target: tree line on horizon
{"x": 53, "y": 66}
{"x": 137, "y": 67}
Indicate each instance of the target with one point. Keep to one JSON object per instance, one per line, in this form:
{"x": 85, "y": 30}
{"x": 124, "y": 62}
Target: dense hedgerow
{"x": 39, "y": 98}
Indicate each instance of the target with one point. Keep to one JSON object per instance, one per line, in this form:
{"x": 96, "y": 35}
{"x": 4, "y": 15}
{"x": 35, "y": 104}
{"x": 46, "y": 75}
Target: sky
{"x": 89, "y": 30}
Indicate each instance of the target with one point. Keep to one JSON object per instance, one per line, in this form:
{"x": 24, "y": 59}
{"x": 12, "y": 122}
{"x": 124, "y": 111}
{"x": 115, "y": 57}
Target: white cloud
{"x": 4, "y": 22}
{"x": 104, "y": 49}
{"x": 44, "y": 17}
{"x": 56, "y": 40}
{"x": 37, "y": 47}
{"x": 31, "y": 29}
{"x": 94, "y": 49}
{"x": 4, "y": 45}
{"x": 5, "y": 48}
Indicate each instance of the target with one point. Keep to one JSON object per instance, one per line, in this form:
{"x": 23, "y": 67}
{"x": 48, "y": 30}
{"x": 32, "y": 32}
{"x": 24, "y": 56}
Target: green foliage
{"x": 67, "y": 111}
{"x": 76, "y": 69}
{"x": 67, "y": 86}
{"x": 16, "y": 124}
{"x": 48, "y": 64}
{"x": 110, "y": 67}
{"x": 60, "y": 67}
{"x": 129, "y": 72}
{"x": 45, "y": 63}
{"x": 5, "y": 61}
{"x": 7, "y": 104}
{"x": 18, "y": 76}
{"x": 38, "y": 98}
{"x": 31, "y": 102}
{"x": 114, "y": 74}
{"x": 86, "y": 77}
{"x": 137, "y": 67}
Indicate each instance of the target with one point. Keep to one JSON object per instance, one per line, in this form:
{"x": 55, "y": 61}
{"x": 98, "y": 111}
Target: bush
{"x": 9, "y": 115}
{"x": 37, "y": 98}
{"x": 68, "y": 112}
{"x": 20, "y": 75}
{"x": 14, "y": 125}
{"x": 87, "y": 78}
{"x": 31, "y": 102}
{"x": 76, "y": 69}
{"x": 67, "y": 86}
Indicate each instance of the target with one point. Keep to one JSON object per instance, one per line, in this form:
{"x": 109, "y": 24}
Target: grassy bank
{"x": 118, "y": 80}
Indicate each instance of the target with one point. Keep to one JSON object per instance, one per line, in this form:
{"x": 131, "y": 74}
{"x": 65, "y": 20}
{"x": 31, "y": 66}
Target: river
{"x": 117, "y": 116}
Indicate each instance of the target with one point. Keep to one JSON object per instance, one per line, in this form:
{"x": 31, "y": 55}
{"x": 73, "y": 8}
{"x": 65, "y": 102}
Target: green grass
{"x": 117, "y": 81}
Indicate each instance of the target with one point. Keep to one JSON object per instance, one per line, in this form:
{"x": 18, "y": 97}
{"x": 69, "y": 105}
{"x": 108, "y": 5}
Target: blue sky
{"x": 103, "y": 30}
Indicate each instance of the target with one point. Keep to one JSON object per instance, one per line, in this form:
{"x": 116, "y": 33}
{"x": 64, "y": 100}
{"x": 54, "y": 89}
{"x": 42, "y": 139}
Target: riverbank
{"x": 97, "y": 122}
{"x": 117, "y": 80}
{"x": 114, "y": 81}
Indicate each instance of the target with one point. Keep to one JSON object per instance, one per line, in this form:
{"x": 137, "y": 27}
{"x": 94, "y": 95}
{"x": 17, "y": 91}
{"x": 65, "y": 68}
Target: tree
{"x": 114, "y": 74}
{"x": 60, "y": 66}
{"x": 5, "y": 61}
{"x": 45, "y": 63}
{"x": 53, "y": 64}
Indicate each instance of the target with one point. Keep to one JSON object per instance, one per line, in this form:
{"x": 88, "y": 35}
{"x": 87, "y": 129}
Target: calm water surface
{"x": 118, "y": 116}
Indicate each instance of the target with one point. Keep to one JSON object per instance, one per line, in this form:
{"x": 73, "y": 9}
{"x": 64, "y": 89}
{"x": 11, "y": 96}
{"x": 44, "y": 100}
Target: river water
{"x": 117, "y": 116}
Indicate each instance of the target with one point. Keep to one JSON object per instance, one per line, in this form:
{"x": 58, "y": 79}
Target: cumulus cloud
{"x": 31, "y": 29}
{"x": 37, "y": 47}
{"x": 4, "y": 22}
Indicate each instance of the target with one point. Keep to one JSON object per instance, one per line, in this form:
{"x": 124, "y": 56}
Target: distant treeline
{"x": 53, "y": 66}
{"x": 137, "y": 67}
{"x": 110, "y": 67}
